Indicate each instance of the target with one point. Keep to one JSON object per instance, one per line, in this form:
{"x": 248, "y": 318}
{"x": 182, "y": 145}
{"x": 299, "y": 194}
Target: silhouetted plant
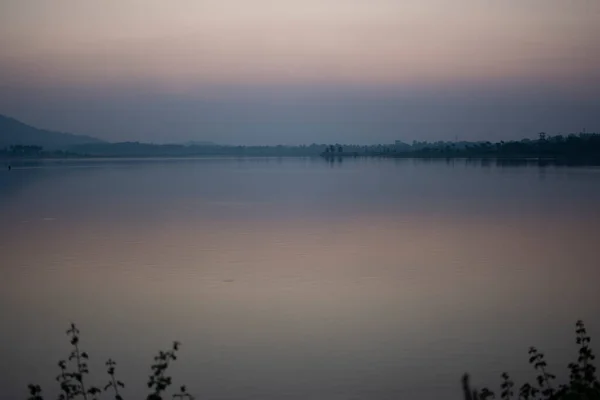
{"x": 473, "y": 394}
{"x": 158, "y": 380}
{"x": 81, "y": 365}
{"x": 468, "y": 392}
{"x": 65, "y": 378}
{"x": 35, "y": 392}
{"x": 485, "y": 394}
{"x": 586, "y": 356}
{"x": 527, "y": 392}
{"x": 583, "y": 382}
{"x": 183, "y": 394}
{"x": 72, "y": 383}
{"x": 507, "y": 387}
{"x": 113, "y": 383}
{"x": 544, "y": 379}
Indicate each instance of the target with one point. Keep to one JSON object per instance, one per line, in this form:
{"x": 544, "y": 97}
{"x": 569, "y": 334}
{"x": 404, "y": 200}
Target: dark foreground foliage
{"x": 582, "y": 384}
{"x": 73, "y": 378}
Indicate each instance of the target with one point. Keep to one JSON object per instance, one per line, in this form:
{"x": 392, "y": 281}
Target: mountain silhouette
{"x": 14, "y": 132}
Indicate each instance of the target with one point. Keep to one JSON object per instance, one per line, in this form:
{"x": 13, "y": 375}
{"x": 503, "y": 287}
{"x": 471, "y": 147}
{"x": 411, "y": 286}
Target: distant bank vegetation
{"x": 75, "y": 383}
{"x": 19, "y": 140}
{"x": 576, "y": 147}
{"x": 583, "y": 147}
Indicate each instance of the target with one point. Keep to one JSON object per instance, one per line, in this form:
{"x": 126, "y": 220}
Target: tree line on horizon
{"x": 573, "y": 146}
{"x": 584, "y": 146}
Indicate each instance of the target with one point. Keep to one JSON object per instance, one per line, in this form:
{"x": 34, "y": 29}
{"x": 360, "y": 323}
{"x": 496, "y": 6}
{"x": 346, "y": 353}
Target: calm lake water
{"x": 297, "y": 278}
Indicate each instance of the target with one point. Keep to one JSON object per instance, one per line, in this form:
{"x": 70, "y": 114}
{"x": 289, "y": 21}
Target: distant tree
{"x": 20, "y": 150}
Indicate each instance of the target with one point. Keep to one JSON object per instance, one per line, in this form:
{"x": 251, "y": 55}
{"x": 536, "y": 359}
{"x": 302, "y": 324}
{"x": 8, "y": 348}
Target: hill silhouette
{"x": 14, "y": 132}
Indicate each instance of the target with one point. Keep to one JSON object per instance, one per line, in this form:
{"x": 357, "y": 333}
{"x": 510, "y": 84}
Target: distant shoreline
{"x": 524, "y": 159}
{"x": 583, "y": 148}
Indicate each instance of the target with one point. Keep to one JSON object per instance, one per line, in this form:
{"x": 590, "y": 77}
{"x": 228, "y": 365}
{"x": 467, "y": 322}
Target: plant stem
{"x": 79, "y": 369}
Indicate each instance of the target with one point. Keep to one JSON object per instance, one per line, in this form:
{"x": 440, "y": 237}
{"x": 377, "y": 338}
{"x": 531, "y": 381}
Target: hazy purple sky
{"x": 301, "y": 71}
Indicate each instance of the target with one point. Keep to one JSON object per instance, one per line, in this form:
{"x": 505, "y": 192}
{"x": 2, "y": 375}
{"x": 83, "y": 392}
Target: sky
{"x": 302, "y": 71}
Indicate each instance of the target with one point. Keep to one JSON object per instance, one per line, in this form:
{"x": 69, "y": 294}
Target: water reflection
{"x": 285, "y": 278}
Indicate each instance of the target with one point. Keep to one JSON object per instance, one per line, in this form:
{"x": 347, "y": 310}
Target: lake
{"x": 297, "y": 278}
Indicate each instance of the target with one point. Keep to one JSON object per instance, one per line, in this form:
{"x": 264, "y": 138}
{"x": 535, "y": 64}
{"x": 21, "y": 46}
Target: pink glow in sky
{"x": 182, "y": 43}
{"x": 133, "y": 69}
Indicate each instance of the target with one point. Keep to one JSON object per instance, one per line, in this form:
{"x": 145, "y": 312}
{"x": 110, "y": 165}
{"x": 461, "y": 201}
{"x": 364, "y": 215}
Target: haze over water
{"x": 297, "y": 278}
